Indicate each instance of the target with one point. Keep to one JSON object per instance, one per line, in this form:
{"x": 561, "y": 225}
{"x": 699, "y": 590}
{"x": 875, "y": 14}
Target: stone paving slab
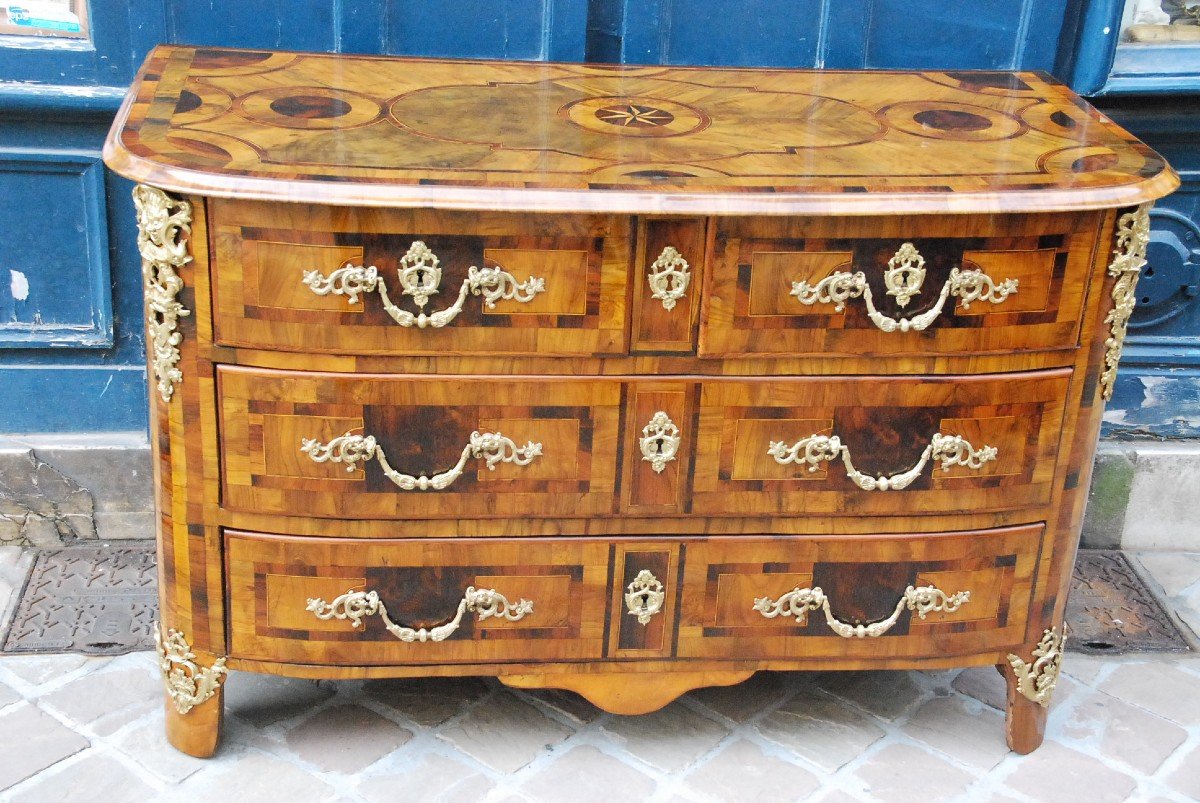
{"x": 1122, "y": 728}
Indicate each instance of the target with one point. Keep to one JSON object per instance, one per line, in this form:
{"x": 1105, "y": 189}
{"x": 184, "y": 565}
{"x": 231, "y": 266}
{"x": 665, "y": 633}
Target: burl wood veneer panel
{"x": 864, "y": 578}
{"x": 749, "y": 306}
{"x": 264, "y": 251}
{"x": 577, "y": 137}
{"x": 421, "y": 426}
{"x": 420, "y": 583}
{"x": 886, "y": 425}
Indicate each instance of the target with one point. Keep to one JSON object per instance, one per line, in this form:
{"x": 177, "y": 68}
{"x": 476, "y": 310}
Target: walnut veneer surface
{"x": 572, "y": 374}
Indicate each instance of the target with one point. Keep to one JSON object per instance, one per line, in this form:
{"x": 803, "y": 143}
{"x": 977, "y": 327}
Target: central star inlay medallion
{"x": 632, "y": 115}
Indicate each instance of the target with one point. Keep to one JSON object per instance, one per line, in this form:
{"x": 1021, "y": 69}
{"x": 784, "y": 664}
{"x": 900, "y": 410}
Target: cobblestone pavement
{"x": 75, "y": 728}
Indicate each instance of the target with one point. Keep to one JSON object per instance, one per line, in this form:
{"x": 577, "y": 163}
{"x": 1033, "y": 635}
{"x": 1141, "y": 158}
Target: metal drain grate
{"x": 97, "y": 600}
{"x": 1112, "y": 611}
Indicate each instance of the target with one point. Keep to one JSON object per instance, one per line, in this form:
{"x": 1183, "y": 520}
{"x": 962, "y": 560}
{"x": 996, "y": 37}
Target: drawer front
{"x": 874, "y": 446}
{"x": 382, "y": 447}
{"x": 852, "y": 287}
{"x": 380, "y": 282}
{"x": 776, "y": 597}
{"x": 298, "y": 600}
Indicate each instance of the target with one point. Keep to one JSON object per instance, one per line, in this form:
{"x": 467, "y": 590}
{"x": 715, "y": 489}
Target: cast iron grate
{"x": 1111, "y": 610}
{"x": 96, "y": 600}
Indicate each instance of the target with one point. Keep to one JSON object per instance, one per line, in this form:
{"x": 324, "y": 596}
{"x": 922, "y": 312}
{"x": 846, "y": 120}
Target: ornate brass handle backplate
{"x": 659, "y": 442}
{"x": 644, "y": 596}
{"x": 491, "y": 447}
{"x": 921, "y": 600}
{"x": 669, "y": 277}
{"x": 420, "y": 276}
{"x": 353, "y": 606}
{"x": 949, "y": 450}
{"x": 903, "y": 278}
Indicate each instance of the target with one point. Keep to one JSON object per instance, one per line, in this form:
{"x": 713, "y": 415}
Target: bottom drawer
{"x": 874, "y": 597}
{"x": 357, "y": 603}
{"x": 351, "y": 602}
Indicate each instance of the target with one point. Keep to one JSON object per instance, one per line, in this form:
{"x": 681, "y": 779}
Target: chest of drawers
{"x": 622, "y": 380}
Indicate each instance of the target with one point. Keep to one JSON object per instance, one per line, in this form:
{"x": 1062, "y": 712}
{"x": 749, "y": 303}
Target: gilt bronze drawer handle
{"x": 354, "y": 605}
{"x": 491, "y": 447}
{"x": 660, "y": 441}
{"x": 922, "y": 600}
{"x": 419, "y": 276}
{"x": 949, "y": 450}
{"x": 903, "y": 278}
{"x": 669, "y": 277}
{"x": 644, "y": 596}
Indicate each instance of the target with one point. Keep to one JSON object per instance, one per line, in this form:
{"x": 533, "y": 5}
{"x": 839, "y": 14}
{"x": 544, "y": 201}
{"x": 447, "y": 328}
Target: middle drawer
{"x": 359, "y": 446}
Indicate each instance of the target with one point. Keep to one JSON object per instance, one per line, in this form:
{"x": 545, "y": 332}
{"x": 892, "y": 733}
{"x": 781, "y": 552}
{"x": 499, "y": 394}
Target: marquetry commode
{"x": 623, "y": 380}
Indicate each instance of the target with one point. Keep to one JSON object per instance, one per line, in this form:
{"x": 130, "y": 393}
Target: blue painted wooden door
{"x": 71, "y": 341}
{"x": 71, "y": 344}
{"x": 834, "y": 34}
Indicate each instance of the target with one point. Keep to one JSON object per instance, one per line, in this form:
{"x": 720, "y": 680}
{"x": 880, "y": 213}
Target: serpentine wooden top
{"x": 526, "y": 136}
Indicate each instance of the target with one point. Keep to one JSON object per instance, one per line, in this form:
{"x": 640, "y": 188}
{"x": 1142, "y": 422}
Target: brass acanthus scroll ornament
{"x": 660, "y": 441}
{"x": 1129, "y": 257}
{"x": 353, "y": 606}
{"x": 1036, "y": 680}
{"x": 949, "y": 450}
{"x": 491, "y": 447}
{"x": 903, "y": 278}
{"x": 669, "y": 277}
{"x": 188, "y": 684}
{"x": 921, "y": 600}
{"x": 420, "y": 277}
{"x": 164, "y": 225}
{"x": 644, "y": 596}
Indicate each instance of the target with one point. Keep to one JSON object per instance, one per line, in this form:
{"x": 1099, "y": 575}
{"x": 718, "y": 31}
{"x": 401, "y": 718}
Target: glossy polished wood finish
{"x": 291, "y": 171}
{"x": 749, "y": 307}
{"x": 422, "y": 424}
{"x": 263, "y": 251}
{"x": 576, "y": 587}
{"x": 421, "y": 584}
{"x": 356, "y": 130}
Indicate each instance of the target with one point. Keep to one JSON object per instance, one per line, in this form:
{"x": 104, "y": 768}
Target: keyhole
{"x": 658, "y": 445}
{"x": 420, "y": 276}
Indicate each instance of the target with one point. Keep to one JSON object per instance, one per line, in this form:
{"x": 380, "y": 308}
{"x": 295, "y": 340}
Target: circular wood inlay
{"x": 958, "y": 122}
{"x": 630, "y": 114}
{"x": 951, "y": 120}
{"x": 1050, "y": 118}
{"x": 636, "y": 116}
{"x": 313, "y": 107}
{"x": 310, "y": 107}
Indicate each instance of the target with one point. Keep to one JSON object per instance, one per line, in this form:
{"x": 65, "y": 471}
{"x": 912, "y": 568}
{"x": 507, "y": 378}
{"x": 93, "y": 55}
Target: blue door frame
{"x": 71, "y": 344}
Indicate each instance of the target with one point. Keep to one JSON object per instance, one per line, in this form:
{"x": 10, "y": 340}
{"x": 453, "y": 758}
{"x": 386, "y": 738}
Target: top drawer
{"x": 389, "y": 281}
{"x": 894, "y": 286}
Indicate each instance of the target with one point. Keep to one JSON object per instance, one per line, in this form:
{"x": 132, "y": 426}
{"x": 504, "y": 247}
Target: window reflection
{"x": 44, "y": 18}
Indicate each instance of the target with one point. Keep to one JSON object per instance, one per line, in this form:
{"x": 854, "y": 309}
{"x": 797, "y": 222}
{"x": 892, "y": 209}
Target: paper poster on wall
{"x": 57, "y": 18}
